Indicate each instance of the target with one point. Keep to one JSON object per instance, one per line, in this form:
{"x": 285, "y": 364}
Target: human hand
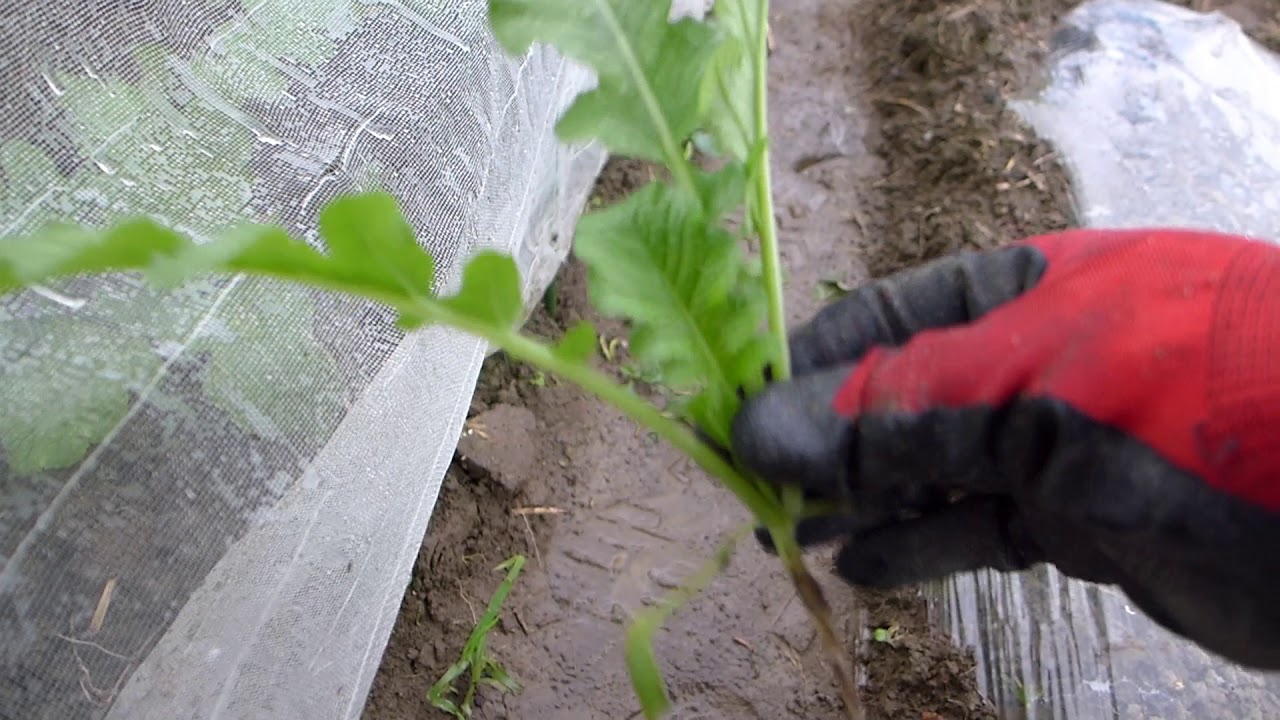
{"x": 1104, "y": 401}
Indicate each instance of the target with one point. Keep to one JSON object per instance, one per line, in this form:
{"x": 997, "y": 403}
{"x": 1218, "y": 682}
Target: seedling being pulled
{"x": 667, "y": 259}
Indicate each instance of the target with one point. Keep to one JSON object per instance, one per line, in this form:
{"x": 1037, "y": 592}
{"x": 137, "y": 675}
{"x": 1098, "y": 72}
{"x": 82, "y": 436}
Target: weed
{"x": 476, "y": 664}
{"x": 887, "y": 635}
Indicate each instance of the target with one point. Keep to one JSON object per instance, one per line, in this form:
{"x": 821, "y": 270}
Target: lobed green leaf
{"x": 726, "y": 86}
{"x": 658, "y": 260}
{"x": 645, "y": 104}
{"x": 370, "y": 251}
{"x": 490, "y": 291}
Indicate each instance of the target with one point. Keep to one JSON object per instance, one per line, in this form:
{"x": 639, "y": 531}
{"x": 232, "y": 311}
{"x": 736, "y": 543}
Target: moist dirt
{"x": 892, "y": 146}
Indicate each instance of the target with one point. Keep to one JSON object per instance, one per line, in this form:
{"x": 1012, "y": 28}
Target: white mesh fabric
{"x": 245, "y": 468}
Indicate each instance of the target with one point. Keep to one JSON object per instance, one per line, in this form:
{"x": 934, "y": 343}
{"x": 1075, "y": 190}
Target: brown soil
{"x": 892, "y": 146}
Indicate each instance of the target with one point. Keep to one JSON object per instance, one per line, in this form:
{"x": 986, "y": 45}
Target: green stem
{"x": 529, "y": 350}
{"x": 815, "y": 602}
{"x": 765, "y": 223}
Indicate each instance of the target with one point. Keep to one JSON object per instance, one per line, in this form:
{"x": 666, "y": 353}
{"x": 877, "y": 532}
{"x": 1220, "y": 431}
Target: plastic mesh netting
{"x": 211, "y": 498}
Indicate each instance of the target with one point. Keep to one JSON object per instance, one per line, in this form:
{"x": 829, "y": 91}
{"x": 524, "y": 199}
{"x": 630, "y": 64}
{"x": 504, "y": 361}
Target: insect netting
{"x": 211, "y": 497}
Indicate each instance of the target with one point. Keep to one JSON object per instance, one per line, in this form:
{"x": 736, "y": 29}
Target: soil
{"x": 893, "y": 145}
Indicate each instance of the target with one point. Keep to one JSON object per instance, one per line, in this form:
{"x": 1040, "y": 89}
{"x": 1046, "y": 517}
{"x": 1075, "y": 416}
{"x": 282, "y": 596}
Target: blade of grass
{"x": 646, "y": 677}
{"x": 475, "y": 656}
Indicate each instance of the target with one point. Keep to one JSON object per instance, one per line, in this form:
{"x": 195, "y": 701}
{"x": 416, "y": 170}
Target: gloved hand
{"x": 1108, "y": 402}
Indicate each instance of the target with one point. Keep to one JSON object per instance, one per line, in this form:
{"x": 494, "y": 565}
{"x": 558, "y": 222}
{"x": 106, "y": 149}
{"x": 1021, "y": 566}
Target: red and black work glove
{"x": 1104, "y": 401}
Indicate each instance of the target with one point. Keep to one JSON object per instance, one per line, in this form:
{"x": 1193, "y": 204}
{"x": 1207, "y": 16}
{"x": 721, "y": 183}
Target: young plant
{"x": 479, "y": 667}
{"x": 665, "y": 259}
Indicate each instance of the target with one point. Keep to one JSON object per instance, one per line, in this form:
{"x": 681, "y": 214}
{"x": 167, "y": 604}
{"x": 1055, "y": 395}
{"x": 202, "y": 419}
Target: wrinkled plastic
{"x": 211, "y": 498}
{"x": 1163, "y": 117}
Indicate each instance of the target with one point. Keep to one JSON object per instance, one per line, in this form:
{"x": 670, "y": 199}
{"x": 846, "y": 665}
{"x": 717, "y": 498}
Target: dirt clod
{"x": 500, "y": 440}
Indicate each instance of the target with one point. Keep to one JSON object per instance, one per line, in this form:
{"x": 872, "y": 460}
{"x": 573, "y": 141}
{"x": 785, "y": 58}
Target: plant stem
{"x": 766, "y": 510}
{"x": 815, "y": 602}
{"x": 766, "y": 226}
{"x": 527, "y": 349}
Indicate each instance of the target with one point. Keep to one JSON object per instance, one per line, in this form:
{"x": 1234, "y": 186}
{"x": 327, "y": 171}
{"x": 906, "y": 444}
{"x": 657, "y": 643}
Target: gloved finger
{"x": 792, "y": 434}
{"x": 953, "y": 290}
{"x": 980, "y": 532}
{"x": 819, "y": 529}
{"x": 789, "y": 434}
{"x": 809, "y": 432}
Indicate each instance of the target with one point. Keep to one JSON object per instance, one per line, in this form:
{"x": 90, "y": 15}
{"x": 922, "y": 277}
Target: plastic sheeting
{"x": 1164, "y": 117}
{"x": 211, "y": 498}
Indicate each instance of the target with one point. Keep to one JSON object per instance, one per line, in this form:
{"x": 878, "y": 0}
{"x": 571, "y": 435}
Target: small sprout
{"x": 609, "y": 347}
{"x": 887, "y": 635}
{"x": 476, "y": 662}
{"x": 1026, "y": 696}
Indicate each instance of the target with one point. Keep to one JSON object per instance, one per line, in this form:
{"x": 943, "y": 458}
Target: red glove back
{"x": 1176, "y": 341}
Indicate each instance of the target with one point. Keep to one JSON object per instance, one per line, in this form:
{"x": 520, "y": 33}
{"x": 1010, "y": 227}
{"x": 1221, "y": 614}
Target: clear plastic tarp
{"x": 1164, "y": 117}
{"x": 211, "y": 498}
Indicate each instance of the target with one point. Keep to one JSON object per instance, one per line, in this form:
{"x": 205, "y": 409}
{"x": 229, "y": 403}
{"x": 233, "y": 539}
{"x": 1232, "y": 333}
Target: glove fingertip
{"x": 789, "y": 434}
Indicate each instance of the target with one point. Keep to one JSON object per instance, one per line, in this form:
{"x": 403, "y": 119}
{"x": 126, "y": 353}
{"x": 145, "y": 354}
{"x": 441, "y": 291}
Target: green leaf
{"x": 26, "y": 174}
{"x": 368, "y": 231}
{"x": 649, "y": 99}
{"x": 266, "y": 370}
{"x": 243, "y": 63}
{"x": 697, "y": 314}
{"x": 578, "y": 344}
{"x": 498, "y": 677}
{"x": 490, "y": 291}
{"x": 642, "y": 665}
{"x": 61, "y": 250}
{"x": 41, "y": 430}
{"x": 66, "y": 376}
{"x": 727, "y": 89}
{"x": 646, "y": 677}
{"x": 152, "y": 152}
{"x": 371, "y": 252}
